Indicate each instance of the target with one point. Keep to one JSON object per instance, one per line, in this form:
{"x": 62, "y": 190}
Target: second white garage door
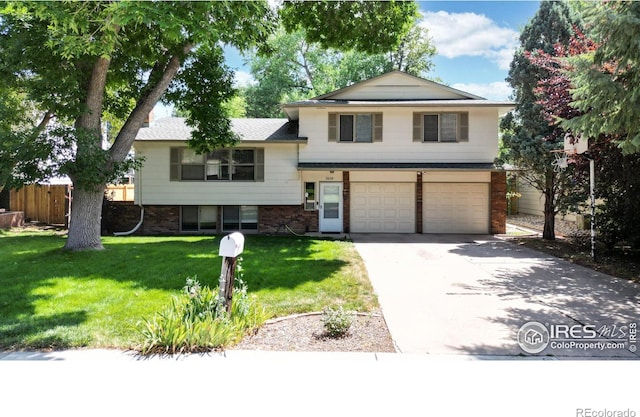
{"x": 383, "y": 208}
{"x": 455, "y": 208}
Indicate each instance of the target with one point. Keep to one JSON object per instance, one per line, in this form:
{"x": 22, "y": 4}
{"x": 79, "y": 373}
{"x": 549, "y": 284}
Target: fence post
{"x": 230, "y": 247}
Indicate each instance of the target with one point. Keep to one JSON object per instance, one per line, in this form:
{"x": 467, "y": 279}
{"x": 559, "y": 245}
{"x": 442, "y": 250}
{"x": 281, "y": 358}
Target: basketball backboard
{"x": 575, "y": 144}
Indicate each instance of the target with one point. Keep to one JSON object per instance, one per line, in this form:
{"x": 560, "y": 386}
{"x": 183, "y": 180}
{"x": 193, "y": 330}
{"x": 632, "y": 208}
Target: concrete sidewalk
{"x": 455, "y": 294}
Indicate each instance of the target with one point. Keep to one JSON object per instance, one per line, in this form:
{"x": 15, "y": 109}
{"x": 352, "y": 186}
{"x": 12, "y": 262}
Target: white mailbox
{"x": 232, "y": 245}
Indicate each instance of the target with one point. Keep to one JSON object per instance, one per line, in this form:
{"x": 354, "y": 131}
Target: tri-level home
{"x": 393, "y": 154}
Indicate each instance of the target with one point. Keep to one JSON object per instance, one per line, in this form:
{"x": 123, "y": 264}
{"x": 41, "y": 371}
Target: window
{"x": 239, "y": 218}
{"x": 356, "y": 127}
{"x": 220, "y": 165}
{"x": 309, "y": 196}
{"x": 198, "y": 218}
{"x": 441, "y": 127}
{"x": 191, "y": 165}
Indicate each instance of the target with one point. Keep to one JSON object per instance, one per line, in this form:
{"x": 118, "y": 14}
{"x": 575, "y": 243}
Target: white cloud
{"x": 498, "y": 90}
{"x": 471, "y": 34}
{"x": 243, "y": 79}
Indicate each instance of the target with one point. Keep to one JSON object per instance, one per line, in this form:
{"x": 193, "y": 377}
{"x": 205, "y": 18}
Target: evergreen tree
{"x": 528, "y": 137}
{"x": 606, "y": 81}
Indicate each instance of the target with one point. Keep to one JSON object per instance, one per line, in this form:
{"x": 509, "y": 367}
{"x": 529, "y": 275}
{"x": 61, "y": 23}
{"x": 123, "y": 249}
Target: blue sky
{"x": 475, "y": 42}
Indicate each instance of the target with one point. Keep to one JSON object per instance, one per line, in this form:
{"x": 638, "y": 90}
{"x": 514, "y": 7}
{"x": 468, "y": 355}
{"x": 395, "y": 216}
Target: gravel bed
{"x": 562, "y": 227}
{"x": 368, "y": 333}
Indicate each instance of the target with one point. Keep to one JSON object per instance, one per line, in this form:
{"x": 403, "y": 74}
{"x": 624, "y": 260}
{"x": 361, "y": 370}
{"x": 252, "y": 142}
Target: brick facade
{"x": 419, "y": 191}
{"x": 498, "y": 202}
{"x": 346, "y": 202}
{"x": 276, "y": 219}
{"x": 122, "y": 216}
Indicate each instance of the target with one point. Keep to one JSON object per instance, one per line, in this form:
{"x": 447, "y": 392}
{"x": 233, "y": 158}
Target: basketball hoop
{"x": 573, "y": 145}
{"x": 577, "y": 145}
{"x": 560, "y": 161}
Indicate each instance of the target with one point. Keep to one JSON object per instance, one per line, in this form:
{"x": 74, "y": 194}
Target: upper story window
{"x": 355, "y": 127}
{"x": 241, "y": 164}
{"x": 441, "y": 127}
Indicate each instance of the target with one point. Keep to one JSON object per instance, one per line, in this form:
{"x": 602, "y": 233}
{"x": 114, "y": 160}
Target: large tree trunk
{"x": 86, "y": 203}
{"x": 85, "y": 222}
{"x": 86, "y": 207}
{"x": 549, "y": 230}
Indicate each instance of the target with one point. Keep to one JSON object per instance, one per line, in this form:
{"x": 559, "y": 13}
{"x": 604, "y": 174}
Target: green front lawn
{"x": 50, "y": 298}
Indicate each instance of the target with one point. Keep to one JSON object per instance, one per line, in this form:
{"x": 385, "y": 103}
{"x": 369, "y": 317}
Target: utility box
{"x": 231, "y": 245}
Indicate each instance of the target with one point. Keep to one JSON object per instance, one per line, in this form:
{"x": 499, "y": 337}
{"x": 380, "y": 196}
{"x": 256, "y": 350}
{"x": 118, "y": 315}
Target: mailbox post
{"x": 231, "y": 246}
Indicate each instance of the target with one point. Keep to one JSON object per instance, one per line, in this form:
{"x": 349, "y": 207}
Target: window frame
{"x": 226, "y": 161}
{"x": 462, "y": 127}
{"x": 335, "y": 127}
{"x": 310, "y": 200}
{"x": 199, "y": 220}
{"x": 250, "y": 226}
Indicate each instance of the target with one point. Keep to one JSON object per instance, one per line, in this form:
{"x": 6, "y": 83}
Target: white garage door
{"x": 383, "y": 208}
{"x": 455, "y": 208}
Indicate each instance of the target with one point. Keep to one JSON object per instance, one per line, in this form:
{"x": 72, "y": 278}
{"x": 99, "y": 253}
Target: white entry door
{"x": 330, "y": 207}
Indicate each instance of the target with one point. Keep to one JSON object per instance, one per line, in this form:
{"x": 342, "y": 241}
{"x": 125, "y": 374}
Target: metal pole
{"x": 592, "y": 187}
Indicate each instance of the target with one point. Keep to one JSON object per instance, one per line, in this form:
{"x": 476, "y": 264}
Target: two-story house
{"x": 393, "y": 154}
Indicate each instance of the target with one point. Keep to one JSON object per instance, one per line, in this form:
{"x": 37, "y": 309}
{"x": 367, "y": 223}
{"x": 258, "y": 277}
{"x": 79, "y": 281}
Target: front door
{"x": 331, "y": 207}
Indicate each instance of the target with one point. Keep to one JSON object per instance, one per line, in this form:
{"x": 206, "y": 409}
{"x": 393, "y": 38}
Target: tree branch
{"x": 164, "y": 75}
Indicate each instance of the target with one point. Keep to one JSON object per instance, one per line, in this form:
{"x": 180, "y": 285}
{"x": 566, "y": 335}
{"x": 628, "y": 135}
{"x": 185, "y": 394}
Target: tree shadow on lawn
{"x": 30, "y": 264}
{"x": 41, "y": 332}
{"x": 533, "y": 286}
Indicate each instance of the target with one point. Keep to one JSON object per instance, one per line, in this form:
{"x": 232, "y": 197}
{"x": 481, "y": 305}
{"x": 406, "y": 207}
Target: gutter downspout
{"x": 137, "y": 226}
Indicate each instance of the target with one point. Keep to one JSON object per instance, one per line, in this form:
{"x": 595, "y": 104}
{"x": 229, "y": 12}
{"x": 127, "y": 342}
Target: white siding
{"x": 281, "y": 180}
{"x": 397, "y": 86}
{"x": 531, "y": 201}
{"x": 397, "y": 143}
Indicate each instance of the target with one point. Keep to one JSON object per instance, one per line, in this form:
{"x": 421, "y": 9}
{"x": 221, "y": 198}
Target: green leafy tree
{"x": 606, "y": 80}
{"x": 295, "y": 69}
{"x": 528, "y": 135}
{"x": 79, "y": 61}
{"x": 24, "y": 150}
{"x": 362, "y": 25}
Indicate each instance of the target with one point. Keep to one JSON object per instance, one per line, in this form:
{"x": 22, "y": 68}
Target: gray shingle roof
{"x": 273, "y": 130}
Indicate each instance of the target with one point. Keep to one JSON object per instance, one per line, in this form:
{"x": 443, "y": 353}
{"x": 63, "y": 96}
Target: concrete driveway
{"x": 470, "y": 295}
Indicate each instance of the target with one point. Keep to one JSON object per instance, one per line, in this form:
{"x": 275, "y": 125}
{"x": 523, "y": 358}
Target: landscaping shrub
{"x": 197, "y": 321}
{"x": 337, "y": 322}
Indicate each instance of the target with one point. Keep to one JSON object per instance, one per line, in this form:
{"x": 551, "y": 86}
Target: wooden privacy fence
{"x": 121, "y": 192}
{"x": 42, "y": 203}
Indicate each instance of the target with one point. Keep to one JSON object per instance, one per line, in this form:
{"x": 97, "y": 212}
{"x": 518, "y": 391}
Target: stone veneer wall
{"x": 498, "y": 202}
{"x": 272, "y": 219}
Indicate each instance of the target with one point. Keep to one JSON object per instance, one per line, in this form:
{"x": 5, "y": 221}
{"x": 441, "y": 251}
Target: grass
{"x": 52, "y": 299}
